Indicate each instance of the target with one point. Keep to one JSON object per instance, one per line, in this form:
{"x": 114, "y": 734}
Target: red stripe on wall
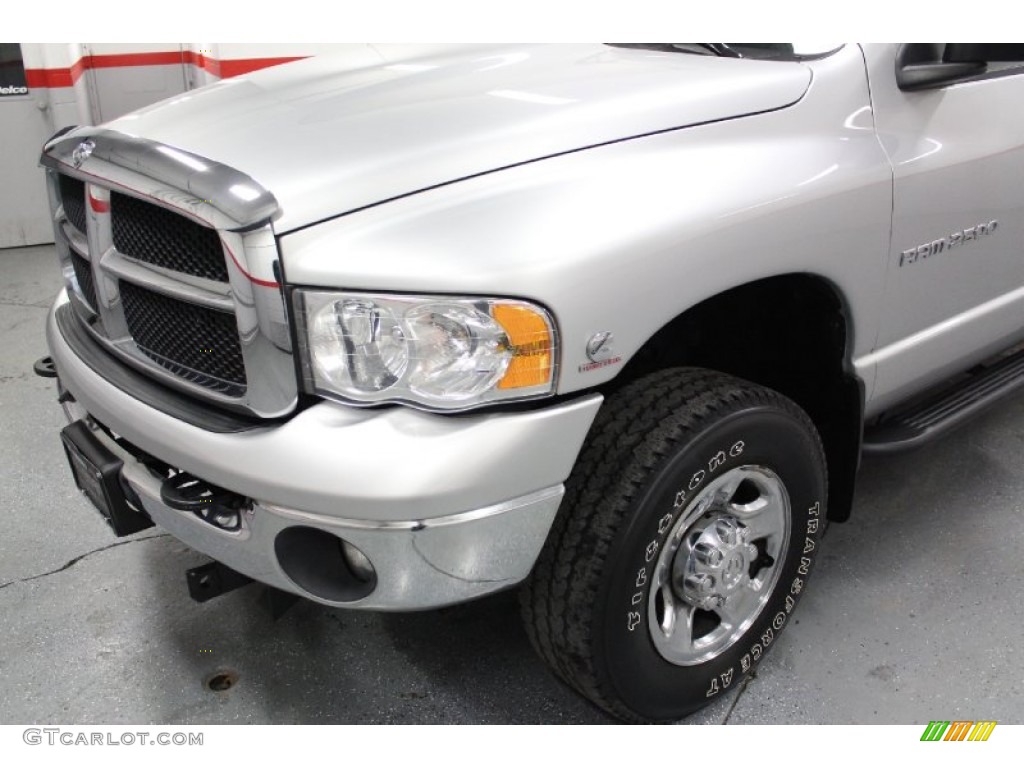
{"x": 77, "y": 70}
{"x": 67, "y": 77}
{"x": 104, "y": 61}
{"x": 48, "y": 78}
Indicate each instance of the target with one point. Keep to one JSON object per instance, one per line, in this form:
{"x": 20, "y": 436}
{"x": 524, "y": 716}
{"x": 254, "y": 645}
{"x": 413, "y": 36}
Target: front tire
{"x": 688, "y": 529}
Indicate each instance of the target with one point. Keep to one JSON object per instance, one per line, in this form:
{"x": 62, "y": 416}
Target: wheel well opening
{"x": 789, "y": 333}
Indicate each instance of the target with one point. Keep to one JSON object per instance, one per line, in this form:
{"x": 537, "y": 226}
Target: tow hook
{"x": 45, "y": 367}
{"x": 218, "y": 507}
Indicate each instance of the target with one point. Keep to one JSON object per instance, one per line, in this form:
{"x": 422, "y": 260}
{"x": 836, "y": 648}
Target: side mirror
{"x": 927, "y": 65}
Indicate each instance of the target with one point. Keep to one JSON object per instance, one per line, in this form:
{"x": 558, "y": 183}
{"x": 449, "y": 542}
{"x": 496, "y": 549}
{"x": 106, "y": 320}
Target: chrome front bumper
{"x": 446, "y": 508}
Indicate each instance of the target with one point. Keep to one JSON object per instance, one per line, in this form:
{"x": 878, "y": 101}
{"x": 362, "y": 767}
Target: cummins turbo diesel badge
{"x": 600, "y": 352}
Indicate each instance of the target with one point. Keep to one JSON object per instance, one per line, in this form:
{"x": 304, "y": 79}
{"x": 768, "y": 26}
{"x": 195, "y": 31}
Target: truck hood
{"x": 326, "y": 140}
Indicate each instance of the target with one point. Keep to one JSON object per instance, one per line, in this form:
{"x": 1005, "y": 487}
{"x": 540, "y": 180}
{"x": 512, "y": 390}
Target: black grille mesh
{"x": 83, "y": 273}
{"x": 72, "y": 197}
{"x": 163, "y": 238}
{"x": 193, "y": 342}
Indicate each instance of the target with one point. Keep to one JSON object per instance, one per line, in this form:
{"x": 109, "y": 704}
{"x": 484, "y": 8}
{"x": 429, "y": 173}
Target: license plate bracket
{"x": 97, "y": 473}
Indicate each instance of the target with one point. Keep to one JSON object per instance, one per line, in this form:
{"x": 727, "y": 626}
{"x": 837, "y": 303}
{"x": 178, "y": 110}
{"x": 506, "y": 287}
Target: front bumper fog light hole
{"x": 325, "y": 565}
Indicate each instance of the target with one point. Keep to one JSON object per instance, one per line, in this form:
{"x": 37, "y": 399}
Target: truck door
{"x": 955, "y": 288}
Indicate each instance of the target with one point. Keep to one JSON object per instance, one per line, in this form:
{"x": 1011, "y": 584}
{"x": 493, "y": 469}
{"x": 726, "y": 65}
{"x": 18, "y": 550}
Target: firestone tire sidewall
{"x": 652, "y": 687}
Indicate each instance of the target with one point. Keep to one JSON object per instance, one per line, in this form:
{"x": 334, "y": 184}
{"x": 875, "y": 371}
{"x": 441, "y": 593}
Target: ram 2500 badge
{"x": 609, "y": 323}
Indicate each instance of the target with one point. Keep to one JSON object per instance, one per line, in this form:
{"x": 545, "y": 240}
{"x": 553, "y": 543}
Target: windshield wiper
{"x": 700, "y": 49}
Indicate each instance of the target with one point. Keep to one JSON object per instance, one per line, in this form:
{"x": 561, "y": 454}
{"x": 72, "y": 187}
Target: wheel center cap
{"x": 717, "y": 565}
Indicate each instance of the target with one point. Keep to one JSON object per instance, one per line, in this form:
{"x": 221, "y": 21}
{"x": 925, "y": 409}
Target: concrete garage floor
{"x": 914, "y": 613}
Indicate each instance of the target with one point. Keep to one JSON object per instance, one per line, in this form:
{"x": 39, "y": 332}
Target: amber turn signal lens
{"x": 530, "y": 339}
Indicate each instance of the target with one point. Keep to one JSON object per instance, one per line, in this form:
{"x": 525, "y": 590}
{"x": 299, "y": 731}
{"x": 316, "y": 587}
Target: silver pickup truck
{"x": 610, "y": 323}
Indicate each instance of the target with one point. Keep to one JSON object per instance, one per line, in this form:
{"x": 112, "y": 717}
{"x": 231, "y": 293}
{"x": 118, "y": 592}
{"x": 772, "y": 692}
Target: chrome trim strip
{"x": 537, "y": 497}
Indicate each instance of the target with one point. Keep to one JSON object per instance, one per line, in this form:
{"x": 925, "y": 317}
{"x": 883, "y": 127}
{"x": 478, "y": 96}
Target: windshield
{"x": 763, "y": 51}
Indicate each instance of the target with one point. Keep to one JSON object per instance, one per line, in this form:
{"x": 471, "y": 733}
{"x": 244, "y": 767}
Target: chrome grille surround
{"x": 72, "y": 197}
{"x": 203, "y": 193}
{"x": 83, "y": 274}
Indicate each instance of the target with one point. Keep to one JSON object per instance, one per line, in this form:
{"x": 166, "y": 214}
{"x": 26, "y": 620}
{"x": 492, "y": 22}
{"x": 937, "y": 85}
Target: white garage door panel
{"x": 24, "y": 210}
{"x": 117, "y": 91}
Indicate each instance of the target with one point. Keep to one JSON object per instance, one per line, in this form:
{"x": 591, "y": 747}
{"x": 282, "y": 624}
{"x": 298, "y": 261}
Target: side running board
{"x": 937, "y": 414}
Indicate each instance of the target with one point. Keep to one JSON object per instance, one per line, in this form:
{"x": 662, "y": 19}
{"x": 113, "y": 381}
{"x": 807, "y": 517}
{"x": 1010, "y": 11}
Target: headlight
{"x": 438, "y": 352}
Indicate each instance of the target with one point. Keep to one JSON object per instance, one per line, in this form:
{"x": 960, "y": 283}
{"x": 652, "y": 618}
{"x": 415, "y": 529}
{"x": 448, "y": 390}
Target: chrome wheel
{"x": 719, "y": 565}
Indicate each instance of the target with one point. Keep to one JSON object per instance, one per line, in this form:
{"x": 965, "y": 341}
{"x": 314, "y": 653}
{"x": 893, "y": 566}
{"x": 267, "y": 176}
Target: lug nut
{"x": 726, "y": 531}
{"x": 707, "y": 554}
{"x": 699, "y": 583}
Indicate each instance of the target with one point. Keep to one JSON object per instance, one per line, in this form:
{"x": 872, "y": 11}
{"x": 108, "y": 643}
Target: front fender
{"x": 626, "y": 236}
